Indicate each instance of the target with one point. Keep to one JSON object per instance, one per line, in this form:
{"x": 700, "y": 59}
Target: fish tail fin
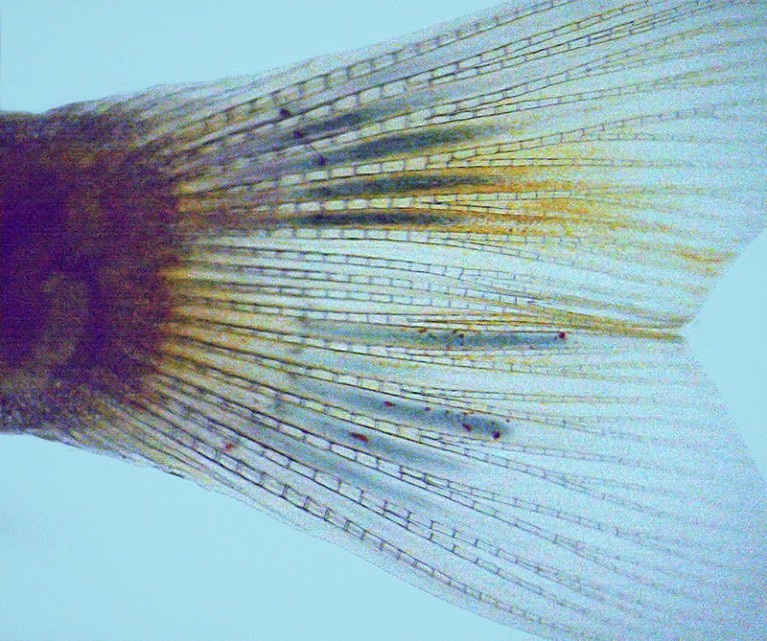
{"x": 428, "y": 308}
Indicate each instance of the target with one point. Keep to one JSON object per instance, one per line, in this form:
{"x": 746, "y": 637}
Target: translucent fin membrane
{"x": 425, "y": 300}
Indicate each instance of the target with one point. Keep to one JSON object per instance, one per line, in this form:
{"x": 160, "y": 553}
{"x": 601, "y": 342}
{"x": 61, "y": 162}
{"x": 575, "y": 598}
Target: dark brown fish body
{"x": 87, "y": 230}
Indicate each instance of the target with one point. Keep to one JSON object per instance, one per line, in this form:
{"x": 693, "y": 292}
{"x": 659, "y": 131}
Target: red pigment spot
{"x": 496, "y": 435}
{"x": 228, "y": 447}
{"x": 562, "y": 335}
{"x": 466, "y": 426}
{"x": 388, "y": 404}
{"x": 359, "y": 437}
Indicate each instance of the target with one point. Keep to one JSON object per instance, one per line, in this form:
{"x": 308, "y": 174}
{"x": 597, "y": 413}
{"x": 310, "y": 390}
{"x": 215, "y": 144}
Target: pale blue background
{"x": 95, "y": 550}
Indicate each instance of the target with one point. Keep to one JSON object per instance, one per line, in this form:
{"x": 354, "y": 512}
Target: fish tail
{"x": 425, "y": 301}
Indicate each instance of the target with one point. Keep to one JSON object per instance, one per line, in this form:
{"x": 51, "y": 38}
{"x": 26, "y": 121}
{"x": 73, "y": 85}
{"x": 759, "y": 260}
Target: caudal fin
{"x": 428, "y": 308}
